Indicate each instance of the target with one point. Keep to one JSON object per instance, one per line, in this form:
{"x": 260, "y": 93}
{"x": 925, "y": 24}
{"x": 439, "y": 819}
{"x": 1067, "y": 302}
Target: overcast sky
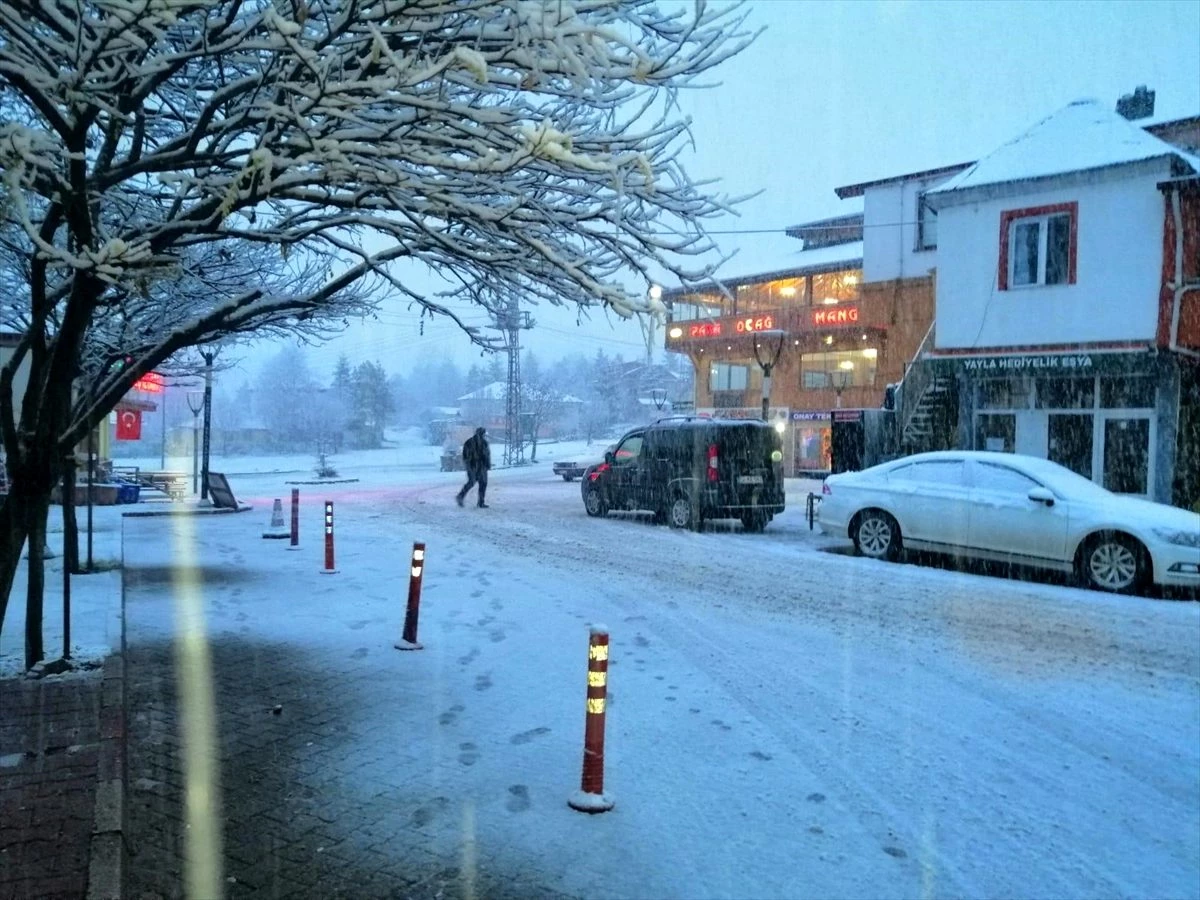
{"x": 838, "y": 93}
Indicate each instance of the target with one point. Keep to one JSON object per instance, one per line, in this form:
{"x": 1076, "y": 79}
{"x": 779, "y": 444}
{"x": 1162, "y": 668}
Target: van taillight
{"x": 825, "y": 488}
{"x": 712, "y": 463}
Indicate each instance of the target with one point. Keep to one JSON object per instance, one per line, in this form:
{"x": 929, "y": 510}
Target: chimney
{"x": 1138, "y": 105}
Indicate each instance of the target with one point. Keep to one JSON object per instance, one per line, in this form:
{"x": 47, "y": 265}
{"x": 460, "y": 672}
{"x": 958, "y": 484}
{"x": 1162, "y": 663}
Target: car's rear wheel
{"x": 594, "y": 502}
{"x": 755, "y": 521}
{"x": 877, "y": 535}
{"x": 1114, "y": 562}
{"x": 683, "y": 513}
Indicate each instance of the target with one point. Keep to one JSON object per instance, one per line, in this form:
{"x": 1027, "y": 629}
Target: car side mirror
{"x": 609, "y": 458}
{"x": 1041, "y": 495}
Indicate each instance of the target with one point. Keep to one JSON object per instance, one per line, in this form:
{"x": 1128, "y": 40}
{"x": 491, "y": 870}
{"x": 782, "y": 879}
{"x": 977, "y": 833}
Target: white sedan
{"x": 1019, "y": 509}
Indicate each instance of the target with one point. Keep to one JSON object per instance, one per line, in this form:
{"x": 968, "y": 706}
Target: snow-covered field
{"x": 786, "y": 720}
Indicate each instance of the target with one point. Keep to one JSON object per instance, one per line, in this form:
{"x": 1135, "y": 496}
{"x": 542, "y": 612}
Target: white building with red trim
{"x": 1050, "y": 288}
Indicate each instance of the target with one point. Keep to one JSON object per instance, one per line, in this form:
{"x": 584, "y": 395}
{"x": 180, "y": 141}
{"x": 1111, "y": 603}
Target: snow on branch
{"x": 511, "y": 145}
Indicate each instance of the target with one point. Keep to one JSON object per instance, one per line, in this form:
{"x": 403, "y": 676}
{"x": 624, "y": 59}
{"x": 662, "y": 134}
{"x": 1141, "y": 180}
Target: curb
{"x": 200, "y": 511}
{"x": 107, "y": 861}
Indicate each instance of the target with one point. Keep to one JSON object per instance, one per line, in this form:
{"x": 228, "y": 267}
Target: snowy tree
{"x": 370, "y": 404}
{"x": 504, "y": 144}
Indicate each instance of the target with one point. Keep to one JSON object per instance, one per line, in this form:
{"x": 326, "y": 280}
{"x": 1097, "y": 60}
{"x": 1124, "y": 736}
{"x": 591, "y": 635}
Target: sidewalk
{"x": 61, "y": 784}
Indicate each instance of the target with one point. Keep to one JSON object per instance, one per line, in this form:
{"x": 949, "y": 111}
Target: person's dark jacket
{"x": 477, "y": 455}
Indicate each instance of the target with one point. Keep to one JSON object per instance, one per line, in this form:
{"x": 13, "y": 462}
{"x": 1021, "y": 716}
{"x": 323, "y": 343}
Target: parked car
{"x": 569, "y": 470}
{"x": 685, "y": 470}
{"x": 1012, "y": 508}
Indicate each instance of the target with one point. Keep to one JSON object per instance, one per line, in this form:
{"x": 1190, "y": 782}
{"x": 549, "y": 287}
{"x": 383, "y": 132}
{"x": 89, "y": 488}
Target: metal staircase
{"x": 927, "y": 403}
{"x": 920, "y": 427}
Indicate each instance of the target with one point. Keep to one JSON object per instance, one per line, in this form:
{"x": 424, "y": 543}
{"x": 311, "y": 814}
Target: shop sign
{"x": 847, "y": 415}
{"x": 834, "y": 315}
{"x": 1074, "y": 361}
{"x": 744, "y": 412}
{"x": 752, "y": 324}
{"x": 810, "y": 416}
{"x": 747, "y": 325}
{"x": 150, "y": 383}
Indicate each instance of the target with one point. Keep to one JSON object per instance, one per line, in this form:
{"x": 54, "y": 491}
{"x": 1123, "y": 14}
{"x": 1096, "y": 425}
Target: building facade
{"x": 827, "y": 340}
{"x": 1066, "y": 311}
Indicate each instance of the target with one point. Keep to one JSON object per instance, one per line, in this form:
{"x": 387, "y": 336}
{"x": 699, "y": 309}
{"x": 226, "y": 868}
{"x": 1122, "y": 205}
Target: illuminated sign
{"x": 150, "y": 383}
{"x": 838, "y": 315}
{"x": 755, "y": 323}
{"x": 706, "y": 329}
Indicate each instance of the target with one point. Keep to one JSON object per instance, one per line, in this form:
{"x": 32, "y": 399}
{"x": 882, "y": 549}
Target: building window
{"x": 727, "y": 377}
{"x": 926, "y": 224}
{"x": 836, "y": 287}
{"x": 1038, "y": 246}
{"x": 853, "y": 368}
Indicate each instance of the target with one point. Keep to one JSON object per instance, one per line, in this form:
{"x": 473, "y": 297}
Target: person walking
{"x": 477, "y": 458}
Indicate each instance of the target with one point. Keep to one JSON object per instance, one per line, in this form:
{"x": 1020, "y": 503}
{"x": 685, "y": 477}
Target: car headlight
{"x": 1183, "y": 538}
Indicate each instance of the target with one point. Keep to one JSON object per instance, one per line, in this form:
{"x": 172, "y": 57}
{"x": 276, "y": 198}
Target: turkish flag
{"x": 129, "y": 425}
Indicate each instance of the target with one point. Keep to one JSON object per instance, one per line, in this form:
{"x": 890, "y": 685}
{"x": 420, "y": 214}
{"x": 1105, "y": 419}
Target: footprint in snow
{"x": 450, "y": 716}
{"x": 483, "y": 682}
{"x": 641, "y": 641}
{"x": 895, "y": 851}
{"x": 360, "y": 653}
{"x": 469, "y": 754}
{"x": 815, "y": 798}
{"x": 526, "y": 736}
{"x": 519, "y": 799}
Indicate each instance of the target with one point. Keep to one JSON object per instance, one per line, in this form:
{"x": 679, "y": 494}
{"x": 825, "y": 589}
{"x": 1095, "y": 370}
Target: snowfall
{"x": 785, "y": 719}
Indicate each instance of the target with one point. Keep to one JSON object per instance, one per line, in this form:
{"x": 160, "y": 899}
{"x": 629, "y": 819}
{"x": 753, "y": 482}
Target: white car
{"x": 1012, "y": 508}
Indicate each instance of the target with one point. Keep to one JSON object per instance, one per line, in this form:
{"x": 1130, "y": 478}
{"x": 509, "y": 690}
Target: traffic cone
{"x": 277, "y": 529}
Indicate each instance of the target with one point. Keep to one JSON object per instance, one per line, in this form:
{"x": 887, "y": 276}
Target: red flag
{"x": 129, "y": 425}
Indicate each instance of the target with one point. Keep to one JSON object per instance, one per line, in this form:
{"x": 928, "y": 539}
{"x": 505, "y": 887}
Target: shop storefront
{"x": 1110, "y": 417}
{"x": 811, "y": 442}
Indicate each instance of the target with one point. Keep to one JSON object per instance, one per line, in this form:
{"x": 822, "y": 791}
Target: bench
{"x": 173, "y": 484}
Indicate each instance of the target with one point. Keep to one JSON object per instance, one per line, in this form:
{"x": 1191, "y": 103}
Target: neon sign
{"x": 707, "y": 329}
{"x": 844, "y": 315}
{"x": 150, "y": 383}
{"x": 755, "y": 323}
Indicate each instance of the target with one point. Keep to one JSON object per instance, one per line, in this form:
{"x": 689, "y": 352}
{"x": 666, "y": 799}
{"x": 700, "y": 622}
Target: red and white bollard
{"x": 329, "y": 569}
{"x": 295, "y": 532}
{"x": 417, "y": 571}
{"x": 590, "y": 798}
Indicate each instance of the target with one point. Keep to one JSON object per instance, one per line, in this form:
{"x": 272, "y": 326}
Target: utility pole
{"x": 511, "y": 320}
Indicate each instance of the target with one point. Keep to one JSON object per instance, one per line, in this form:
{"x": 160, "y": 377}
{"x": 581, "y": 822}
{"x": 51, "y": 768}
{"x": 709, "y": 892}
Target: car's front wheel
{"x": 877, "y": 535}
{"x": 1114, "y": 562}
{"x": 566, "y": 478}
{"x": 594, "y": 502}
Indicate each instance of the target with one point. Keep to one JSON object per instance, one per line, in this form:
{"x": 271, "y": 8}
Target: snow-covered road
{"x": 792, "y": 721}
{"x": 785, "y": 720}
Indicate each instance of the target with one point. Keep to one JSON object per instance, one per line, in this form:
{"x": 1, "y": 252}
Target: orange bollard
{"x": 409, "y": 639}
{"x": 295, "y": 532}
{"x": 329, "y": 569}
{"x": 590, "y": 798}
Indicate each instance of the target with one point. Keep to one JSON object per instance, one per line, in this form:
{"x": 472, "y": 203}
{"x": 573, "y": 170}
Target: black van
{"x": 688, "y": 469}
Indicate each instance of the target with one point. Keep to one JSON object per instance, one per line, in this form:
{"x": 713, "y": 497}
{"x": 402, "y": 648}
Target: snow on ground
{"x": 784, "y": 720}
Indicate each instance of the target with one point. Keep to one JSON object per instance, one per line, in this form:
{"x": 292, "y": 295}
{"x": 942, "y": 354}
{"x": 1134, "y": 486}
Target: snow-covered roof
{"x": 794, "y": 265}
{"x": 1082, "y": 136}
{"x": 494, "y": 391}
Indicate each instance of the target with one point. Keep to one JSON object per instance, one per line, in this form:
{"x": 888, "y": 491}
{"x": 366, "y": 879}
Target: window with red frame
{"x": 1038, "y": 246}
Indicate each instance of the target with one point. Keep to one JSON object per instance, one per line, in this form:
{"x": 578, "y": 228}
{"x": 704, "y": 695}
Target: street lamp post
{"x": 208, "y": 381}
{"x": 767, "y": 364}
{"x": 195, "y": 401}
{"x": 841, "y": 379}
